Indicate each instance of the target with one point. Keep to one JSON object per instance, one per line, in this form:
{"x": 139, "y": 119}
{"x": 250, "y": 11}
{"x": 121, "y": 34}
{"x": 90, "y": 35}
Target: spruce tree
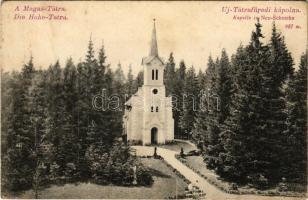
{"x": 56, "y": 115}
{"x": 138, "y": 82}
{"x": 130, "y": 82}
{"x": 244, "y": 137}
{"x": 224, "y": 87}
{"x": 207, "y": 91}
{"x": 169, "y": 75}
{"x": 233, "y": 135}
{"x": 212, "y": 121}
{"x": 177, "y": 97}
{"x": 274, "y": 74}
{"x": 117, "y": 107}
{"x": 295, "y": 162}
{"x": 218, "y": 104}
{"x": 190, "y": 101}
{"x": 70, "y": 144}
{"x": 42, "y": 146}
{"x": 102, "y": 59}
{"x": 20, "y": 139}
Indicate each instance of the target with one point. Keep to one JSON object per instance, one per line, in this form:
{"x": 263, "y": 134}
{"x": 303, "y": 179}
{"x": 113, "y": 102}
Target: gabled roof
{"x": 149, "y": 59}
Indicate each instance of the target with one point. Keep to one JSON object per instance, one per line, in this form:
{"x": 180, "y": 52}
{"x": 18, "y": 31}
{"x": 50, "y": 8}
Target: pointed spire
{"x": 154, "y": 50}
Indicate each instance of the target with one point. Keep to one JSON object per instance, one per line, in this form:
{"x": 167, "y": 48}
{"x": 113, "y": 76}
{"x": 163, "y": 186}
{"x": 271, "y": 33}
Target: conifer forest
{"x": 249, "y": 117}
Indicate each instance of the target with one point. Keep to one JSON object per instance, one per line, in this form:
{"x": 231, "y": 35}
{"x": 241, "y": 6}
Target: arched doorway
{"x": 154, "y": 131}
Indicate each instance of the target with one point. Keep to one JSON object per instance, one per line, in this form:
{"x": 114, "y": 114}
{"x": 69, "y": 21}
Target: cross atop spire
{"x": 154, "y": 50}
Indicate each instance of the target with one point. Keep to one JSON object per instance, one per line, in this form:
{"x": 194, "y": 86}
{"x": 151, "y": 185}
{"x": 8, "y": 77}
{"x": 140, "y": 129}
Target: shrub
{"x": 282, "y": 186}
{"x": 115, "y": 166}
{"x": 135, "y": 142}
{"x": 71, "y": 172}
{"x": 260, "y": 181}
{"x": 144, "y": 176}
{"x": 234, "y": 186}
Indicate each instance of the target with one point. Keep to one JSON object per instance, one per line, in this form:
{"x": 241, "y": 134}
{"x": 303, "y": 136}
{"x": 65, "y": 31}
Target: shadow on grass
{"x": 160, "y": 174}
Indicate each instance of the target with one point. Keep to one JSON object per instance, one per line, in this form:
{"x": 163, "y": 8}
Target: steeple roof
{"x": 154, "y": 49}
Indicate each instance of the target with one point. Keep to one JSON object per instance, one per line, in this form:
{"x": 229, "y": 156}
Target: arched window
{"x": 156, "y": 74}
{"x": 156, "y": 108}
{"x": 152, "y": 74}
{"x": 152, "y": 108}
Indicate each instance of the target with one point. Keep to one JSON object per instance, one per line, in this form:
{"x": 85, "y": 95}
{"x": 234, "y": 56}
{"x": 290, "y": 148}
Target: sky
{"x": 191, "y": 30}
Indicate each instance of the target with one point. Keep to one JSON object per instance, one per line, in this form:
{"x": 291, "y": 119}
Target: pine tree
{"x": 213, "y": 102}
{"x": 20, "y": 140}
{"x": 244, "y": 137}
{"x": 130, "y": 82}
{"x": 177, "y": 98}
{"x": 201, "y": 79}
{"x": 118, "y": 108}
{"x": 81, "y": 117}
{"x": 224, "y": 86}
{"x": 138, "y": 82}
{"x": 109, "y": 114}
{"x": 70, "y": 142}
{"x": 56, "y": 115}
{"x": 7, "y": 82}
{"x": 102, "y": 59}
{"x": 97, "y": 85}
{"x": 119, "y": 77}
{"x": 169, "y": 75}
{"x": 41, "y": 147}
{"x": 190, "y": 101}
{"x": 90, "y": 57}
{"x": 232, "y": 159}
{"x": 274, "y": 74}
{"x": 182, "y": 70}
{"x": 218, "y": 85}
{"x": 281, "y": 62}
{"x": 200, "y": 134}
{"x": 295, "y": 163}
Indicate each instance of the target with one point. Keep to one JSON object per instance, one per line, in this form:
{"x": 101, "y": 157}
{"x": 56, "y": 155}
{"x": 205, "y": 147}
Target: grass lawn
{"x": 197, "y": 163}
{"x": 166, "y": 184}
{"x": 176, "y": 146}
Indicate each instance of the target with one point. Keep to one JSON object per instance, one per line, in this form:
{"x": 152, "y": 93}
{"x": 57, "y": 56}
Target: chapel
{"x": 148, "y": 113}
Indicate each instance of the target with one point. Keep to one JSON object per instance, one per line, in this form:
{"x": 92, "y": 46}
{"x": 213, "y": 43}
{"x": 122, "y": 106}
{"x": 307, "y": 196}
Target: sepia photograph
{"x": 154, "y": 100}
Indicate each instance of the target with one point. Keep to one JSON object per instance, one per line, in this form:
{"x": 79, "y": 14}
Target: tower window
{"x": 155, "y": 91}
{"x": 156, "y": 108}
{"x": 152, "y": 74}
{"x": 156, "y": 74}
{"x": 152, "y": 108}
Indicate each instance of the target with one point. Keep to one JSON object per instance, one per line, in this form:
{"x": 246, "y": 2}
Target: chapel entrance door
{"x": 154, "y": 135}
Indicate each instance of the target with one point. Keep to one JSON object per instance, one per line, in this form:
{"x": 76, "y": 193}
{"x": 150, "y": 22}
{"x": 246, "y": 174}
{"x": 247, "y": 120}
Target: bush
{"x": 71, "y": 172}
{"x": 194, "y": 153}
{"x": 115, "y": 166}
{"x": 259, "y": 181}
{"x": 282, "y": 186}
{"x": 234, "y": 186}
{"x": 135, "y": 142}
{"x": 144, "y": 176}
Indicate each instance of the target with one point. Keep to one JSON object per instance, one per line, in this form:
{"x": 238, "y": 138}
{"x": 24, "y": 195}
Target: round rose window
{"x": 155, "y": 91}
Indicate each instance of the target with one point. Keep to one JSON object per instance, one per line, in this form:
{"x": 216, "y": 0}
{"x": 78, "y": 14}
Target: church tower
{"x": 155, "y": 121}
{"x": 153, "y": 65}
